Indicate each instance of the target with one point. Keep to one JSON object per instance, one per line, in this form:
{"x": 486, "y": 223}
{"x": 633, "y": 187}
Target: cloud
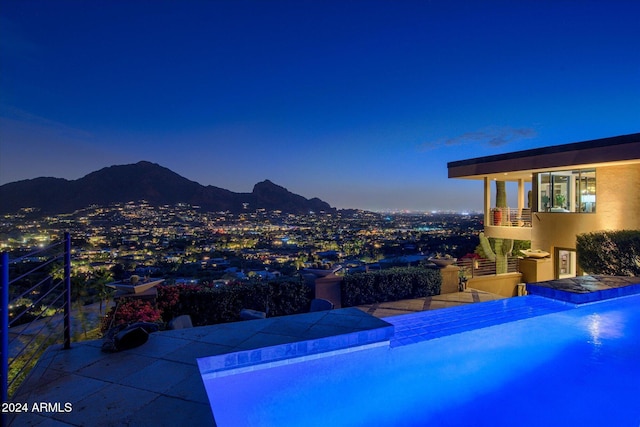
{"x": 492, "y": 137}
{"x": 15, "y": 118}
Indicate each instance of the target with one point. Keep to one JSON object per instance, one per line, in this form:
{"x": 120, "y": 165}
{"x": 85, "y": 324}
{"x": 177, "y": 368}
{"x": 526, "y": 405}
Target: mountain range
{"x": 151, "y": 182}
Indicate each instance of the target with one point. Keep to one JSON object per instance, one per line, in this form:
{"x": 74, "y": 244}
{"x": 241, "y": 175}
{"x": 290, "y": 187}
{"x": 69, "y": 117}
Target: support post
{"x": 488, "y": 220}
{"x": 520, "y": 201}
{"x": 4, "y": 319}
{"x": 67, "y": 290}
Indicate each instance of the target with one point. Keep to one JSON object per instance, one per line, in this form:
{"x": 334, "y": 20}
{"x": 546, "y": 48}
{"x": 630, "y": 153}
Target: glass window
{"x": 586, "y": 191}
{"x": 567, "y": 191}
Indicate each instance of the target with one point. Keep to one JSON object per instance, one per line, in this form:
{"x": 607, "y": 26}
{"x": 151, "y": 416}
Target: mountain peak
{"x": 271, "y": 196}
{"x": 268, "y": 185}
{"x": 146, "y": 181}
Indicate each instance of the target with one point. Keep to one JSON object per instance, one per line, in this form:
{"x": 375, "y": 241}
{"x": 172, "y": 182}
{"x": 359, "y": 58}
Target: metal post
{"x": 4, "y": 319}
{"x": 67, "y": 290}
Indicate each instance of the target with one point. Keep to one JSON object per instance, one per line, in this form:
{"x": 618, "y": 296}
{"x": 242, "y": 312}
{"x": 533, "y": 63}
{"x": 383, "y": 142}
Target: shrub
{"x": 286, "y": 298}
{"x": 168, "y": 297}
{"x": 614, "y": 253}
{"x": 210, "y": 305}
{"x": 390, "y": 285}
{"x": 130, "y": 311}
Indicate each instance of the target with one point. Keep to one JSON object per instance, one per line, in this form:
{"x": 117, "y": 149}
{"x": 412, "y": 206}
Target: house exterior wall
{"x": 620, "y": 188}
{"x": 501, "y": 284}
{"x": 618, "y": 207}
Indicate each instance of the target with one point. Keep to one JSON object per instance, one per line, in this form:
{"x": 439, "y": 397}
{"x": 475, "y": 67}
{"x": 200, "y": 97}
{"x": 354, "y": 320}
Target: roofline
{"x": 613, "y": 149}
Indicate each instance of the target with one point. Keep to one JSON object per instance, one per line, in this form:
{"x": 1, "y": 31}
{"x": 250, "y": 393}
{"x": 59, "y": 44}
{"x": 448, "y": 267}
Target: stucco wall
{"x": 618, "y": 207}
{"x": 619, "y": 189}
{"x": 450, "y": 281}
{"x": 501, "y": 284}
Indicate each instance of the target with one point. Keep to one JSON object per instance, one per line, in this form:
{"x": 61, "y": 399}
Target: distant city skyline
{"x": 361, "y": 103}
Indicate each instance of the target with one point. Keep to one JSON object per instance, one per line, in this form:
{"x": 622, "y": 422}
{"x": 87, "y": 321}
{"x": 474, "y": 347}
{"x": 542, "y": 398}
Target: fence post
{"x": 67, "y": 290}
{"x": 4, "y": 319}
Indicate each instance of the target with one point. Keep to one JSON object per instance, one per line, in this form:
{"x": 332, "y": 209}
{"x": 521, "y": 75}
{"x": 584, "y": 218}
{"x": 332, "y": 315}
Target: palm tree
{"x": 98, "y": 282}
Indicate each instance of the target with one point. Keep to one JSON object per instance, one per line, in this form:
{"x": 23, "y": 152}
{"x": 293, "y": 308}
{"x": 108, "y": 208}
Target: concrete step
{"x": 426, "y": 325}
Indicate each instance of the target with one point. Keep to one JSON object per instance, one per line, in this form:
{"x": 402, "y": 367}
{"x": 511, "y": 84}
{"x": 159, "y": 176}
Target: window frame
{"x": 566, "y": 191}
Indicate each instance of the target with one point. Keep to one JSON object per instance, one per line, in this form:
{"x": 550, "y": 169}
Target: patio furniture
{"x": 180, "y": 322}
{"x": 319, "y": 304}
{"x": 248, "y": 314}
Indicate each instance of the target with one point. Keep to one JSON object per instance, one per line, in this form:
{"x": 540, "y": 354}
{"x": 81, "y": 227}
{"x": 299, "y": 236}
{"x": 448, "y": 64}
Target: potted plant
{"x": 560, "y": 200}
{"x": 545, "y": 202}
{"x": 442, "y": 261}
{"x": 497, "y": 216}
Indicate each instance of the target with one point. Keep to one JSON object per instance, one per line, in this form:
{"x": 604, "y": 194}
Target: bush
{"x": 390, "y": 285}
{"x": 210, "y": 305}
{"x": 615, "y": 253}
{"x": 130, "y": 311}
{"x": 288, "y": 298}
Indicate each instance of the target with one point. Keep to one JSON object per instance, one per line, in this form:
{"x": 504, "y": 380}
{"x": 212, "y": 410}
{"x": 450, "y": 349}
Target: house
{"x": 562, "y": 191}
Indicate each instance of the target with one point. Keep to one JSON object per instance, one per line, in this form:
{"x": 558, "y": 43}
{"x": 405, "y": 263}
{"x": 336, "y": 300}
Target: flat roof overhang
{"x": 521, "y": 164}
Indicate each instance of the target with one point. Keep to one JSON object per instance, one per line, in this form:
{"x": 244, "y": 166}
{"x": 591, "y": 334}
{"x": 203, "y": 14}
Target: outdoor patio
{"x": 159, "y": 383}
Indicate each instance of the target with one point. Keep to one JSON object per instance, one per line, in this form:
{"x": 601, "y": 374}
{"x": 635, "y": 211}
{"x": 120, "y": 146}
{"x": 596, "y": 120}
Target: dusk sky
{"x": 359, "y": 103}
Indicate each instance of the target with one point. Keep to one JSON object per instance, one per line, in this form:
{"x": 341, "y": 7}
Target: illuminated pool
{"x": 580, "y": 366}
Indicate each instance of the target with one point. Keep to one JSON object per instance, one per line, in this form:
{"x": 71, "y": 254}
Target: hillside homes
{"x": 562, "y": 191}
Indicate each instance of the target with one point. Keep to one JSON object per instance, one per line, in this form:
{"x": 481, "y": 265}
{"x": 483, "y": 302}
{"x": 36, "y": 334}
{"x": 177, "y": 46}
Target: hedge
{"x": 390, "y": 285}
{"x": 210, "y": 305}
{"x": 615, "y": 253}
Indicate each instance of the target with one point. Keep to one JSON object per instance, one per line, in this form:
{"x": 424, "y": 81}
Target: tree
{"x": 97, "y": 285}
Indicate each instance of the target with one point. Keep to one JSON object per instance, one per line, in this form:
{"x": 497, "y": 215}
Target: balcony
{"x": 483, "y": 275}
{"x": 484, "y": 267}
{"x": 508, "y": 223}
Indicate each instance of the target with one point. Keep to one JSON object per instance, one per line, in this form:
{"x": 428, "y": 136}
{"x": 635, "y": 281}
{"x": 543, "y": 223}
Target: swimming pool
{"x": 574, "y": 367}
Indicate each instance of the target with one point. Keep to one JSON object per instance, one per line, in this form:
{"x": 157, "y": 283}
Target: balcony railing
{"x": 484, "y": 267}
{"x": 510, "y": 217}
{"x": 46, "y": 316}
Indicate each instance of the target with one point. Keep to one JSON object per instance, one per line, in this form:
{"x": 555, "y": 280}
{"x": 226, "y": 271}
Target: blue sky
{"x": 360, "y": 103}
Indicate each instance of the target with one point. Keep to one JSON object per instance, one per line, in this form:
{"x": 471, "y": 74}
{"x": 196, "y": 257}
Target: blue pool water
{"x": 575, "y": 367}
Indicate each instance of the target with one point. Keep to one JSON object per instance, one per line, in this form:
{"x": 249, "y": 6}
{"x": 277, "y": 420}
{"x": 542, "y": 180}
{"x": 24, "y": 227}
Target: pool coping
{"x": 319, "y": 334}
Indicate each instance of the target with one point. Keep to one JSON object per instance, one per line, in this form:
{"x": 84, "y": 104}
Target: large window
{"x": 567, "y": 191}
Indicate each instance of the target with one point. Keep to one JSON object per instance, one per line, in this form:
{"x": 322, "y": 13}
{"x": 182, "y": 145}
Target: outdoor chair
{"x": 180, "y": 322}
{"x": 319, "y": 304}
{"x": 249, "y": 314}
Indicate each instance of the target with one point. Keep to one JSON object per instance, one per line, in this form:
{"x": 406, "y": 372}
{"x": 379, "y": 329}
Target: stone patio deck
{"x": 159, "y": 383}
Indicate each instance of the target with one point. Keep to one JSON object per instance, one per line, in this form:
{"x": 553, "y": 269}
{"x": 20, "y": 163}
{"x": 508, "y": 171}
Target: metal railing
{"x": 30, "y": 309}
{"x": 510, "y": 217}
{"x": 484, "y": 267}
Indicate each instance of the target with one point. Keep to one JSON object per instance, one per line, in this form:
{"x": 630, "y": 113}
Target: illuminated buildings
{"x": 573, "y": 189}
